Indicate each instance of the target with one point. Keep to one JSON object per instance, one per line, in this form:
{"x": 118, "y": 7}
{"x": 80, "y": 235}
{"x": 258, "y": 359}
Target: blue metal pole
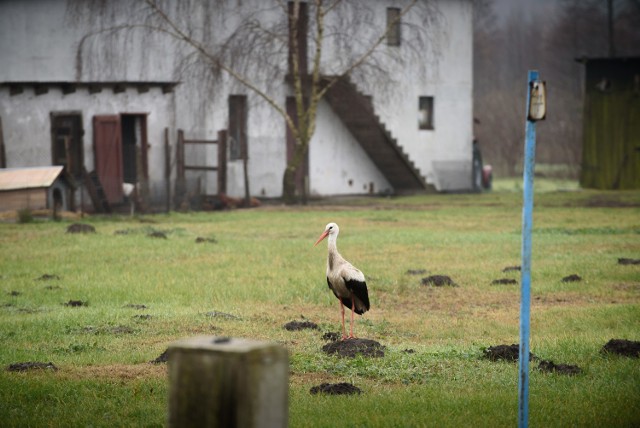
{"x": 525, "y": 288}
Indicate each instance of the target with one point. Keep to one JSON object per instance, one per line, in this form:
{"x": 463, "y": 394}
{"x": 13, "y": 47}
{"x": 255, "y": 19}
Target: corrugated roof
{"x": 28, "y": 178}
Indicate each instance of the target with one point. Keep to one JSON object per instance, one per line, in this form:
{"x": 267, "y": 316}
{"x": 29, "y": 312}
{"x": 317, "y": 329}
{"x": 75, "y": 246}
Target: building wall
{"x": 40, "y": 41}
{"x": 443, "y": 154}
{"x": 27, "y": 125}
{"x": 337, "y": 163}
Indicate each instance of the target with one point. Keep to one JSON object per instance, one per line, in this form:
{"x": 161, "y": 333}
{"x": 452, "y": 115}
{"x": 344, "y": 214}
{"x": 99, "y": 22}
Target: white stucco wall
{"x": 337, "y": 163}
{"x": 27, "y": 134}
{"x": 38, "y": 42}
{"x": 447, "y": 77}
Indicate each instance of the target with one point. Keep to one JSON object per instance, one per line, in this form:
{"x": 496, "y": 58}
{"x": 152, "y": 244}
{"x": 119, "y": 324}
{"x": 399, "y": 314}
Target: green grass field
{"x": 263, "y": 269}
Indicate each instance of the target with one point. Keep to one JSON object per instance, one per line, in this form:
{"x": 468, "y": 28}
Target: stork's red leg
{"x": 353, "y": 309}
{"x": 344, "y": 333}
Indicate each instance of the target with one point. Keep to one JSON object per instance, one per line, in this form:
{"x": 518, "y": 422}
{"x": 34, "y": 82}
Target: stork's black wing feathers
{"x": 359, "y": 290}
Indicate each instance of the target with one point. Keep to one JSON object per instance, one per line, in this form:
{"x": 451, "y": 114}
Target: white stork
{"x": 345, "y": 280}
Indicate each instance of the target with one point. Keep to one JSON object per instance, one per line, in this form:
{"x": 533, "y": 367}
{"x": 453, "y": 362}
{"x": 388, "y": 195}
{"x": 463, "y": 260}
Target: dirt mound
{"x": 438, "y": 281}
{"x": 47, "y": 277}
{"x": 162, "y": 358}
{"x": 505, "y": 353}
{"x": 625, "y": 261}
{"x": 503, "y": 281}
{"x": 31, "y": 365}
{"x": 218, "y": 314}
{"x": 117, "y": 330}
{"x": 157, "y": 234}
{"x": 81, "y": 228}
{"x": 135, "y": 306}
{"x": 142, "y": 317}
{"x": 512, "y": 269}
{"x": 352, "y": 347}
{"x": 331, "y": 336}
{"x": 551, "y": 367}
{"x": 628, "y": 348}
{"x": 200, "y": 240}
{"x": 342, "y": 388}
{"x": 301, "y": 325}
{"x": 76, "y": 303}
{"x": 572, "y": 278}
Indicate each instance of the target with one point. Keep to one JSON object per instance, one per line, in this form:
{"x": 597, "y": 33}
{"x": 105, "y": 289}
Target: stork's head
{"x": 330, "y": 230}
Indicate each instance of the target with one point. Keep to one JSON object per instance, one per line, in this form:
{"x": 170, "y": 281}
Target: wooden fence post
{"x": 167, "y": 169}
{"x": 222, "y": 162}
{"x": 3, "y": 155}
{"x": 228, "y": 382}
{"x": 181, "y": 188}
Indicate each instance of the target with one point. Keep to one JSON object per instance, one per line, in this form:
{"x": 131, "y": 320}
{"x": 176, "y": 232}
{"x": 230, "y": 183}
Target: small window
{"x": 393, "y": 26}
{"x": 425, "y": 113}
{"x": 237, "y": 126}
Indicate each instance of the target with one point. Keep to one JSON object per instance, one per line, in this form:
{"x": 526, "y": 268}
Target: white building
{"x": 74, "y": 92}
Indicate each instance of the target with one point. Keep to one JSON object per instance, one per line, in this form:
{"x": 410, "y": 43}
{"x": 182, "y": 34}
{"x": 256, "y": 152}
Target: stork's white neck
{"x": 331, "y": 241}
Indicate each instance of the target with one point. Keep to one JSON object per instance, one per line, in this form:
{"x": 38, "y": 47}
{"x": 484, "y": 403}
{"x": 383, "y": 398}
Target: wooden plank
{"x": 222, "y": 162}
{"x": 34, "y": 199}
{"x": 3, "y": 155}
{"x": 179, "y": 194}
{"x": 107, "y": 139}
{"x": 200, "y": 168}
{"x": 167, "y": 168}
{"x": 201, "y": 141}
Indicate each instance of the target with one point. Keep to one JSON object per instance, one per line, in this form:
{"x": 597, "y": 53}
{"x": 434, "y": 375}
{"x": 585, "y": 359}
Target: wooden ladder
{"x": 96, "y": 191}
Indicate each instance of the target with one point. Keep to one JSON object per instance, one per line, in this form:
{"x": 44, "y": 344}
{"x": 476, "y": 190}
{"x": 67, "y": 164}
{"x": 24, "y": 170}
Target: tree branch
{"x": 181, "y": 35}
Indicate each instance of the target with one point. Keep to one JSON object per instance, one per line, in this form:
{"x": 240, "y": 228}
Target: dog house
{"x": 35, "y": 188}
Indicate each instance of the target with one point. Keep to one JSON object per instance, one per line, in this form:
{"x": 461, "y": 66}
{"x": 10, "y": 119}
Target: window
{"x": 237, "y": 126}
{"x": 425, "y": 113}
{"x": 66, "y": 144}
{"x": 393, "y": 26}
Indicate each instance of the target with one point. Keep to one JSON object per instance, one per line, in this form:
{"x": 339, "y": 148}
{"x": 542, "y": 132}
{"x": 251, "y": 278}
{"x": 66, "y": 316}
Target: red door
{"x": 108, "y": 155}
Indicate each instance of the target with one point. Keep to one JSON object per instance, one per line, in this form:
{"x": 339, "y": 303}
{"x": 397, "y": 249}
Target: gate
{"x": 183, "y": 194}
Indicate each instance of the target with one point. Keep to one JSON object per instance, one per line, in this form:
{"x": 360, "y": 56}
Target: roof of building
{"x": 28, "y": 178}
{"x": 69, "y": 87}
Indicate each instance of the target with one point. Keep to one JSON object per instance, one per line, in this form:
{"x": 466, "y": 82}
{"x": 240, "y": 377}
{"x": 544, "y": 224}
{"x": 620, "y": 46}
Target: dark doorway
{"x": 66, "y": 141}
{"x": 134, "y": 143}
{"x": 237, "y": 127}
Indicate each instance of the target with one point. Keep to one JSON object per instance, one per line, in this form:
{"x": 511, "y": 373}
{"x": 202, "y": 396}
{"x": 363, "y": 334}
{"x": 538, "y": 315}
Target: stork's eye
{"x": 330, "y": 227}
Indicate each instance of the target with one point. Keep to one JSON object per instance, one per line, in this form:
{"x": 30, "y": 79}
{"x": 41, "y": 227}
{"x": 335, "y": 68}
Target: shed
{"x": 611, "y": 134}
{"x": 34, "y": 188}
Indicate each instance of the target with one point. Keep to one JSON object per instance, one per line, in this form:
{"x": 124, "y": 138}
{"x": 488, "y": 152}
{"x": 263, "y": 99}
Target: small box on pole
{"x": 227, "y": 382}
{"x": 537, "y": 106}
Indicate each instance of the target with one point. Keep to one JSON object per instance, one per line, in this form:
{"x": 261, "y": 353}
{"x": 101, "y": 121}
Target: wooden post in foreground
{"x": 227, "y": 382}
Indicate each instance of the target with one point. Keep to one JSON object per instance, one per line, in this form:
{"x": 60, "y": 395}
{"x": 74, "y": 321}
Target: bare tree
{"x": 266, "y": 45}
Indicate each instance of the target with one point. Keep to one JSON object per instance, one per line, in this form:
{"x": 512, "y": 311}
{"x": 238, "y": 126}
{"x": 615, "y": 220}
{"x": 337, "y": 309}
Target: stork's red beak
{"x": 324, "y": 235}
